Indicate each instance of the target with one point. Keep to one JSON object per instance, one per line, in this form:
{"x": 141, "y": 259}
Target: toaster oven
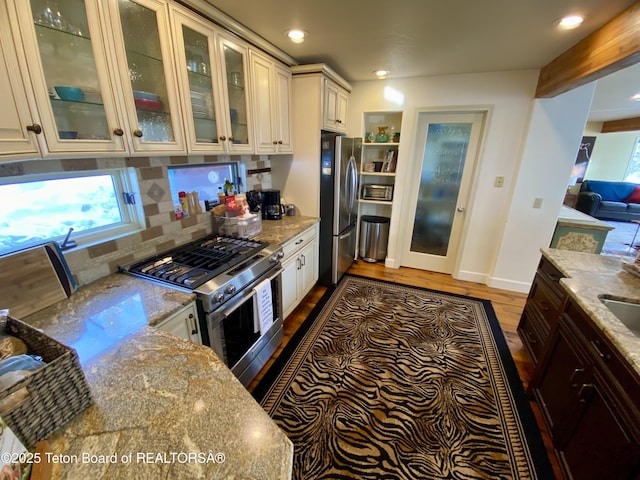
{"x": 377, "y": 192}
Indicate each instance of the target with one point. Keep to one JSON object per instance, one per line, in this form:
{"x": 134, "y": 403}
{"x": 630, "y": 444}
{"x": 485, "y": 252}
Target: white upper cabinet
{"x": 235, "y": 84}
{"x": 272, "y": 106}
{"x": 17, "y": 138}
{"x": 336, "y": 102}
{"x": 66, "y": 74}
{"x": 212, "y": 70}
{"x": 145, "y": 74}
{"x": 199, "y": 81}
{"x": 131, "y": 77}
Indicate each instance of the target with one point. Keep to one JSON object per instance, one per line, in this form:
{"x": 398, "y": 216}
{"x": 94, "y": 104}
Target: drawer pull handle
{"x": 299, "y": 241}
{"x": 595, "y": 344}
{"x": 575, "y": 373}
{"x": 544, "y": 306}
{"x": 584, "y": 392}
{"x": 532, "y": 340}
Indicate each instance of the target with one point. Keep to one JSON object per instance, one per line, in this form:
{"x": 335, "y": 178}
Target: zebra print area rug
{"x": 397, "y": 382}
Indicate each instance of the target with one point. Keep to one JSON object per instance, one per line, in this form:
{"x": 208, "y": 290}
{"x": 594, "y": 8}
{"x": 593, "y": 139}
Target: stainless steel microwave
{"x": 377, "y": 192}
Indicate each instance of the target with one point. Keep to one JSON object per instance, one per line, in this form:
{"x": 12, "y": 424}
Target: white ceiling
{"x": 436, "y": 37}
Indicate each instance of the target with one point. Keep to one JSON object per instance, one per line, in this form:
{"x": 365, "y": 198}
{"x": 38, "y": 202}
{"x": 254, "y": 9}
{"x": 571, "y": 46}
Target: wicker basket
{"x": 57, "y": 392}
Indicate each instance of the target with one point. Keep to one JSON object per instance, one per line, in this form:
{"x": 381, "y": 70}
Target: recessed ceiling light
{"x": 381, "y": 73}
{"x": 570, "y": 21}
{"x": 296, "y": 36}
{"x": 636, "y": 97}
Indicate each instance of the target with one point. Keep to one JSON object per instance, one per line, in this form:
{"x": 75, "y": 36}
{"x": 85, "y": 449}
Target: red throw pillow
{"x": 635, "y": 196}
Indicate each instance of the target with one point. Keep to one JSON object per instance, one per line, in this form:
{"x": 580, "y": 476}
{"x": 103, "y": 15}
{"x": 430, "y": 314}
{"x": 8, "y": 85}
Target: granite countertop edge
{"x": 588, "y": 277}
{"x": 217, "y": 411}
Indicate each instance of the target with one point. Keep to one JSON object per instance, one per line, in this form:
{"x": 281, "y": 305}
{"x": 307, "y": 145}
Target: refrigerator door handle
{"x": 352, "y": 182}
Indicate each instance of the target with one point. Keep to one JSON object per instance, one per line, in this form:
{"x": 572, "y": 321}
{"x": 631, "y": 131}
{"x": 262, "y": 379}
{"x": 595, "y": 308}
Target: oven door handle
{"x": 247, "y": 295}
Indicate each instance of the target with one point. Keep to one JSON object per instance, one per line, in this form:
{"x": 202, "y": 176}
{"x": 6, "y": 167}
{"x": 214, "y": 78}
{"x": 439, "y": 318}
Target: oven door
{"x": 233, "y": 334}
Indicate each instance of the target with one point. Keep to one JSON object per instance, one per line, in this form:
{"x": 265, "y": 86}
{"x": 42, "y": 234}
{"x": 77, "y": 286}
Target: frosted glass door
{"x": 446, "y": 146}
{"x": 442, "y": 165}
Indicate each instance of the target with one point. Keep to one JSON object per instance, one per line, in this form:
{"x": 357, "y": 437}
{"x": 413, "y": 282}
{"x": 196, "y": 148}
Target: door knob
{"x": 460, "y": 209}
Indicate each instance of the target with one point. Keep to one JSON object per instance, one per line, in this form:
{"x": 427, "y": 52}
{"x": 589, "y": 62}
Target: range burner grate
{"x": 193, "y": 264}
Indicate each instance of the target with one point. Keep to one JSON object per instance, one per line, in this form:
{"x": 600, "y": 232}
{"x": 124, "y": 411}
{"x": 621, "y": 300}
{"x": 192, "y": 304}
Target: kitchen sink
{"x": 627, "y": 312}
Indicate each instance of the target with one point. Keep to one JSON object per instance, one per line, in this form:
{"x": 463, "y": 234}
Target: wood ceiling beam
{"x": 623, "y": 125}
{"x": 616, "y": 45}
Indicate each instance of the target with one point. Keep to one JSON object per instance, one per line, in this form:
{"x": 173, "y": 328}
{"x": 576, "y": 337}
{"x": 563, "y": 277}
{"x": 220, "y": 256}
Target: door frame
{"x": 415, "y": 155}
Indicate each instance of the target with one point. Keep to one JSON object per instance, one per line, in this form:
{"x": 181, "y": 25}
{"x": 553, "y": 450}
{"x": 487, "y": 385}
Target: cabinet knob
{"x": 231, "y": 139}
{"x": 279, "y": 142}
{"x": 222, "y": 138}
{"x": 274, "y": 142}
{"x": 35, "y": 128}
{"x": 137, "y": 133}
{"x": 338, "y": 121}
{"x": 118, "y": 132}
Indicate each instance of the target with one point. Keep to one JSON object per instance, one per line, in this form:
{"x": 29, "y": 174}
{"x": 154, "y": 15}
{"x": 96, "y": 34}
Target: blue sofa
{"x": 609, "y": 200}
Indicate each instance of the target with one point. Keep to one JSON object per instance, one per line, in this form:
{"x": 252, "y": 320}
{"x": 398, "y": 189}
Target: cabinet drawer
{"x": 605, "y": 354}
{"x": 300, "y": 241}
{"x": 545, "y": 300}
{"x": 552, "y": 275}
{"x": 531, "y": 333}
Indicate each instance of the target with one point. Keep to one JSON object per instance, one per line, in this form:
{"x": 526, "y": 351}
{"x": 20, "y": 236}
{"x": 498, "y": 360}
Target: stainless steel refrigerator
{"x": 340, "y": 164}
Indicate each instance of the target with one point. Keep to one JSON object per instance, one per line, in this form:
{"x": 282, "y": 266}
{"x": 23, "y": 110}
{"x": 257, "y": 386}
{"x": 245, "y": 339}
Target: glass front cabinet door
{"x": 68, "y": 68}
{"x": 198, "y": 73}
{"x": 146, "y": 74}
{"x": 235, "y": 82}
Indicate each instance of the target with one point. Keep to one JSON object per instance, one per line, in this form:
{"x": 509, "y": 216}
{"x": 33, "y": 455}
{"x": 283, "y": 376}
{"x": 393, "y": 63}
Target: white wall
{"x": 548, "y": 156}
{"x": 491, "y": 253}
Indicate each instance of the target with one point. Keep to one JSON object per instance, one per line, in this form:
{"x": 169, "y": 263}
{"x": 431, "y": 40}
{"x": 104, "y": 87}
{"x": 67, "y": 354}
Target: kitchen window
{"x": 97, "y": 205}
{"x": 207, "y": 180}
{"x": 633, "y": 169}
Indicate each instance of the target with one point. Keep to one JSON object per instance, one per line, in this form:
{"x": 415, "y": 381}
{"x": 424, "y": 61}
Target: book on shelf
{"x": 390, "y": 161}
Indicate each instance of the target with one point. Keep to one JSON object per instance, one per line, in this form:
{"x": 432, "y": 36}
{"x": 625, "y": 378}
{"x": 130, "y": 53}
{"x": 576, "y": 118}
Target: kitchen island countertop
{"x": 590, "y": 276}
{"x": 163, "y": 407}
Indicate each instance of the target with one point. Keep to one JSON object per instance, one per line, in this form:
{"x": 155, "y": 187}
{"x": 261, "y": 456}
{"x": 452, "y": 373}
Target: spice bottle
{"x": 182, "y": 196}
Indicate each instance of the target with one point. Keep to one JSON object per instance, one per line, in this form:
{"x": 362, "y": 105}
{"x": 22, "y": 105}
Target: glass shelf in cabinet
{"x": 153, "y": 113}
{"x": 71, "y": 31}
{"x": 136, "y": 53}
{"x": 198, "y": 75}
{"x": 380, "y": 144}
{"x": 58, "y": 102}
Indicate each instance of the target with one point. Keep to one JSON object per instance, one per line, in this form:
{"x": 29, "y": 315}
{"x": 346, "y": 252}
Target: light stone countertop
{"x": 570, "y": 217}
{"x": 157, "y": 397}
{"x": 279, "y": 231}
{"x": 590, "y": 276}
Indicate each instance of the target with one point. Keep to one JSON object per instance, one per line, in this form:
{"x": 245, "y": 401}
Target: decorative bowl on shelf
{"x": 71, "y": 94}
{"x": 145, "y": 95}
{"x": 146, "y": 104}
{"x": 382, "y": 136}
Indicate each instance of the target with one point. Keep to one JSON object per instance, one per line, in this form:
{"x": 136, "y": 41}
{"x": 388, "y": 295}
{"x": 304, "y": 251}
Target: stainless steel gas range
{"x": 225, "y": 273}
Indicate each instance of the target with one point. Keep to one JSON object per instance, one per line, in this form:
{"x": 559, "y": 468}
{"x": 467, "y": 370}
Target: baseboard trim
{"x": 506, "y": 284}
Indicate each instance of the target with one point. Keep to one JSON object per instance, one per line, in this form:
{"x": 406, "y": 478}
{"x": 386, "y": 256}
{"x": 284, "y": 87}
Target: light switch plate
{"x": 537, "y": 203}
{"x": 499, "y": 182}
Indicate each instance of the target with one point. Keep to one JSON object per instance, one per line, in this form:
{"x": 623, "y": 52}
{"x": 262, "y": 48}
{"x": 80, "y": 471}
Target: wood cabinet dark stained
{"x": 588, "y": 393}
{"x": 541, "y": 310}
{"x": 589, "y": 399}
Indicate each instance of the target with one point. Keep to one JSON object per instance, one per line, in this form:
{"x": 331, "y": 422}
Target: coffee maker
{"x": 271, "y": 207}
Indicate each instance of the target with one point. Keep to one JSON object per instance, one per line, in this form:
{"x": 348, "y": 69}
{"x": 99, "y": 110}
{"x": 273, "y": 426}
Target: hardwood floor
{"x": 507, "y": 305}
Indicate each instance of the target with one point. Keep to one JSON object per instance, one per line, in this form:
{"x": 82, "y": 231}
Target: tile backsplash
{"x": 163, "y": 231}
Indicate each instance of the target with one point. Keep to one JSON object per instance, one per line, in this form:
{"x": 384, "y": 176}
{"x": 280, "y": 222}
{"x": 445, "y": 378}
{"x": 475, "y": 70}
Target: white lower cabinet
{"x": 183, "y": 324}
{"x": 300, "y": 268}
